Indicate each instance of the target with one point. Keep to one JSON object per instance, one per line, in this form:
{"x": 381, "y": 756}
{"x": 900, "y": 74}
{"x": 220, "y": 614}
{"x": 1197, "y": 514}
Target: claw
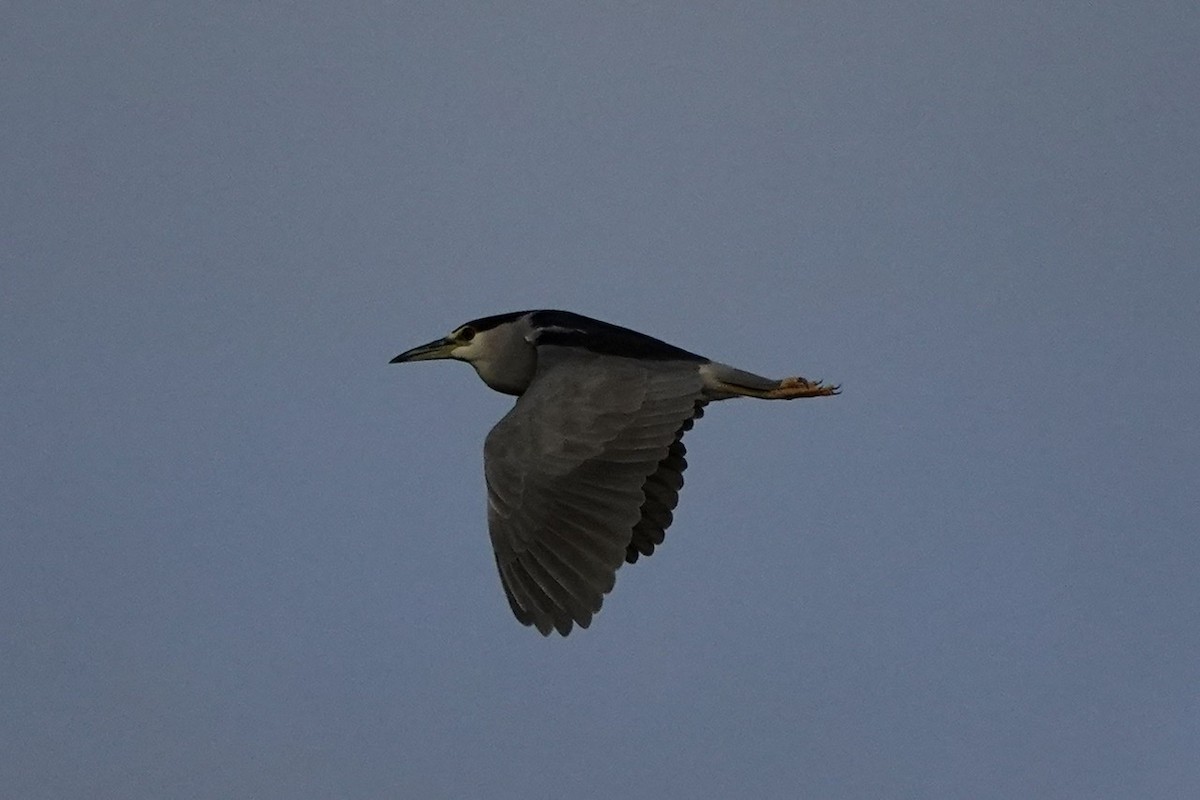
{"x": 793, "y": 388}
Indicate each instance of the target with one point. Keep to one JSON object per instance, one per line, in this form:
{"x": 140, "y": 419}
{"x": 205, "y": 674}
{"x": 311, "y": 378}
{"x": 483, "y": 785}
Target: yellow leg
{"x": 786, "y": 389}
{"x": 791, "y": 388}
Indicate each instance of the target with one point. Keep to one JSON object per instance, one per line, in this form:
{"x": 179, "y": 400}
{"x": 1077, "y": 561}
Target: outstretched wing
{"x": 662, "y": 495}
{"x": 574, "y": 467}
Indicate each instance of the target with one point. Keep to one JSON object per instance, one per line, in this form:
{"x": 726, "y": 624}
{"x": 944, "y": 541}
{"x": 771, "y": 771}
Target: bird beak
{"x": 439, "y": 348}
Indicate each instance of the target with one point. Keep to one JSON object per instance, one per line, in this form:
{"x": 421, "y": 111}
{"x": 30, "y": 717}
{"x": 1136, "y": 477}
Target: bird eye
{"x": 466, "y": 334}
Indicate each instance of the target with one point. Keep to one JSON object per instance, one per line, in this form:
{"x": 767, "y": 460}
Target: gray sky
{"x": 245, "y": 557}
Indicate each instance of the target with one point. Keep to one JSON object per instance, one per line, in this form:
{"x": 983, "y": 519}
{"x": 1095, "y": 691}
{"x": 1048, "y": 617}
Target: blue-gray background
{"x": 244, "y": 557}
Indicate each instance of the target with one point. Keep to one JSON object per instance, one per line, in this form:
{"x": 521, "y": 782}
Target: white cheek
{"x": 467, "y": 352}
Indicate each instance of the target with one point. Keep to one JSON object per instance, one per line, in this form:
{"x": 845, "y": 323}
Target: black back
{"x": 567, "y": 329}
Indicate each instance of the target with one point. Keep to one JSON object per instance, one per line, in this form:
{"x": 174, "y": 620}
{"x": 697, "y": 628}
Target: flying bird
{"x": 585, "y": 470}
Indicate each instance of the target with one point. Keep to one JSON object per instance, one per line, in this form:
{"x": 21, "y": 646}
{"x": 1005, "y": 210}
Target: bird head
{"x": 500, "y": 348}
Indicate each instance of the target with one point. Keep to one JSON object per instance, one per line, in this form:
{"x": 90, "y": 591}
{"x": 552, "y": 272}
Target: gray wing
{"x": 662, "y": 495}
{"x": 589, "y": 451}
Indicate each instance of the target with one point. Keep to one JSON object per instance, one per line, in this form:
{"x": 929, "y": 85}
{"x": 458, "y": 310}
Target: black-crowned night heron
{"x": 584, "y": 471}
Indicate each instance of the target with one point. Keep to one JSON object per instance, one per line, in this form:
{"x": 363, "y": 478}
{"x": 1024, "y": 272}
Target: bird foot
{"x": 792, "y": 388}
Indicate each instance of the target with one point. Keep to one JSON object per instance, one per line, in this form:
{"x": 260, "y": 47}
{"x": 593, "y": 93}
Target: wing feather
{"x": 584, "y": 467}
{"x": 662, "y": 495}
